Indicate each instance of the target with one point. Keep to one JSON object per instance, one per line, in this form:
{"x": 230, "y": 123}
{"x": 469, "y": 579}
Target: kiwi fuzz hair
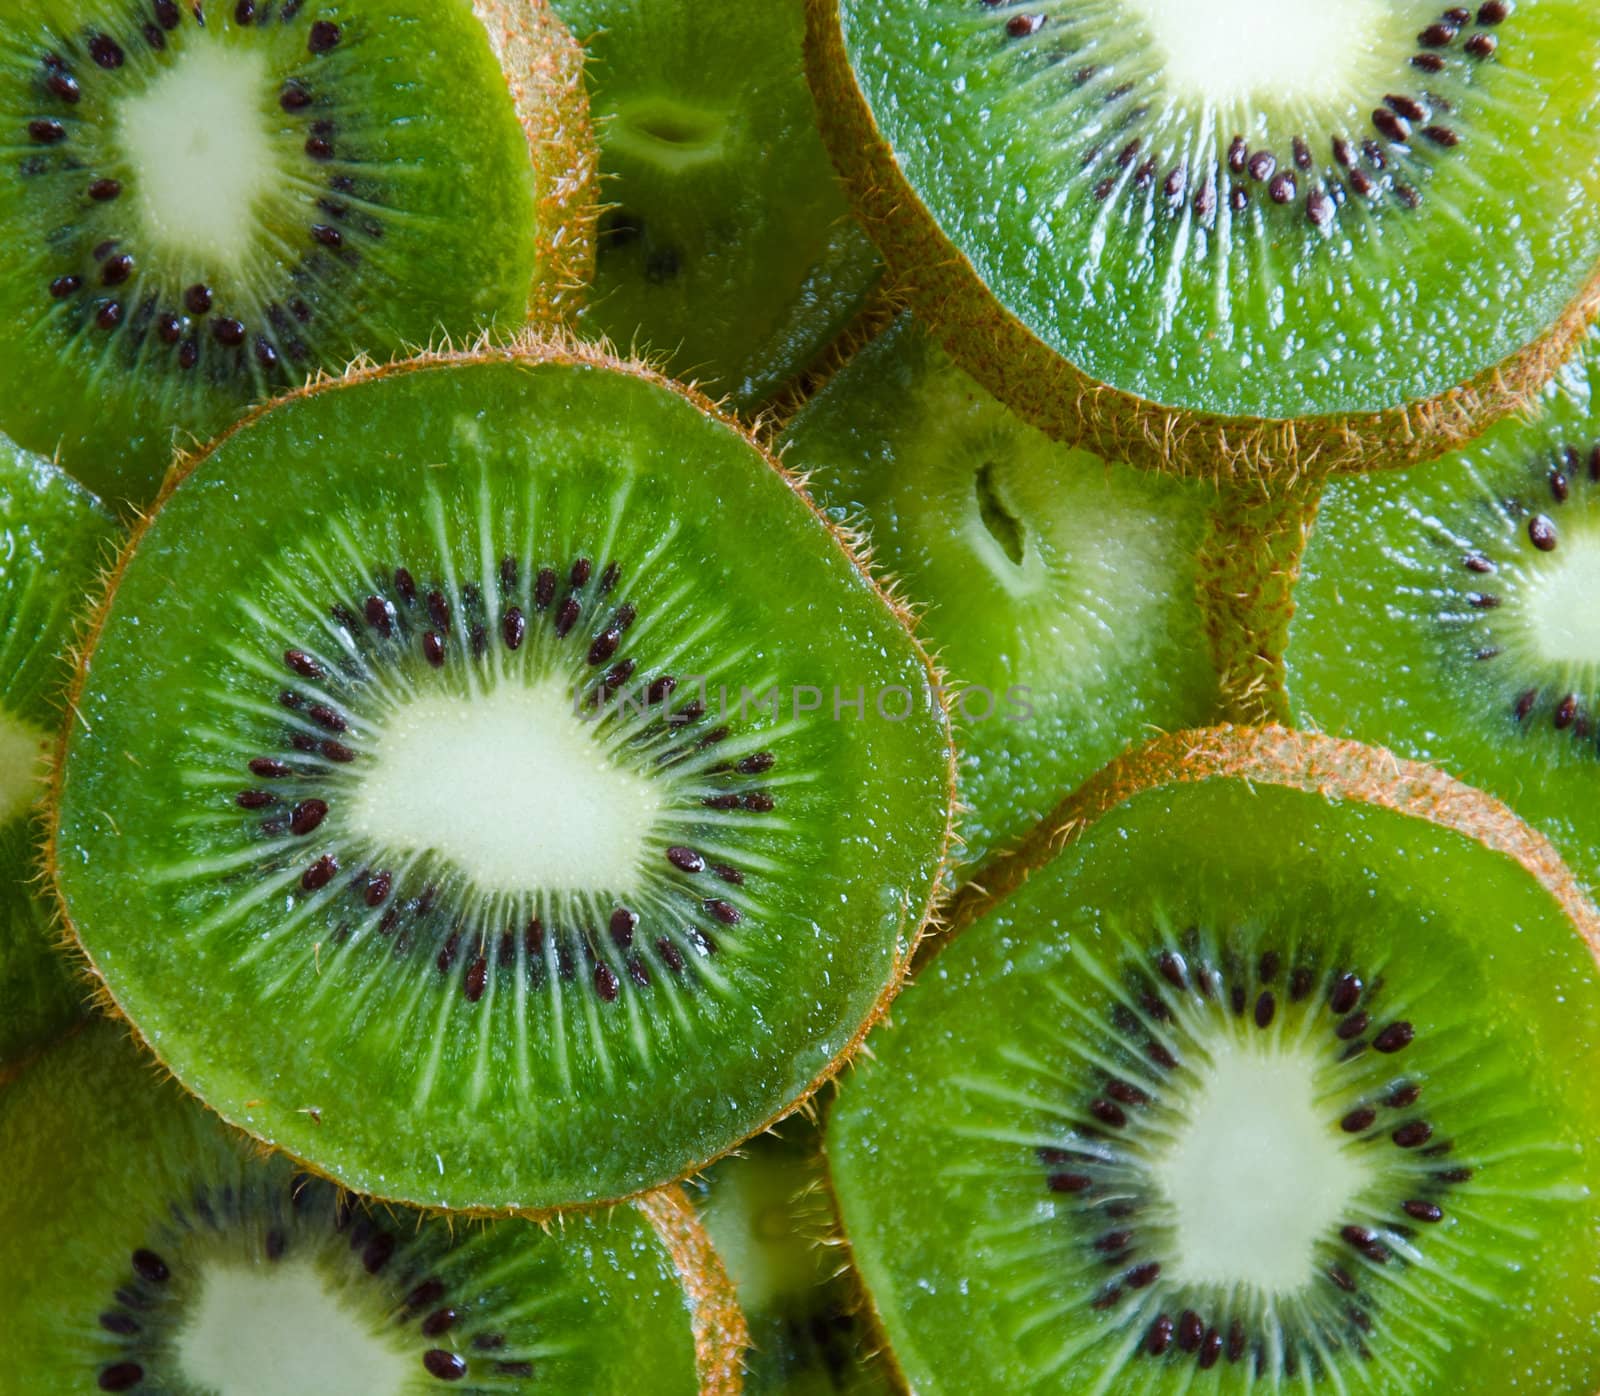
{"x": 543, "y": 67}
{"x": 550, "y": 347}
{"x": 997, "y": 349}
{"x": 1337, "y": 769}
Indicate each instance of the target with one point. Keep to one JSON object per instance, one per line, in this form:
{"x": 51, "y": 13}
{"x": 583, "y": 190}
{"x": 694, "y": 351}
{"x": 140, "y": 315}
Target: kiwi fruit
{"x": 207, "y": 203}
{"x": 1059, "y": 591}
{"x": 1263, "y": 1082}
{"x": 149, "y": 1248}
{"x": 534, "y": 795}
{"x": 54, "y": 537}
{"x": 770, "y": 1215}
{"x": 1242, "y": 240}
{"x": 1448, "y": 613}
{"x": 727, "y": 247}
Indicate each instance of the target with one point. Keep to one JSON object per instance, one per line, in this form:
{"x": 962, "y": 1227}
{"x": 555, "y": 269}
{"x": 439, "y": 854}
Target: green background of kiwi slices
{"x": 425, "y": 125}
{"x": 54, "y": 537}
{"x": 728, "y": 247}
{"x": 857, "y": 837}
{"x": 1383, "y": 641}
{"x": 932, "y": 1145}
{"x": 98, "y": 1154}
{"x": 1394, "y": 305}
{"x": 1039, "y": 567}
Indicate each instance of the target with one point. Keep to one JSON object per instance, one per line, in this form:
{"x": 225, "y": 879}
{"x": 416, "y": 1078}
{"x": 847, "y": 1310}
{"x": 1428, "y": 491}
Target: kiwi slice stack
{"x": 205, "y": 204}
{"x": 182, "y": 1260}
{"x": 1061, "y": 592}
{"x": 1238, "y": 240}
{"x": 519, "y": 831}
{"x": 1297, "y": 1114}
{"x": 54, "y": 537}
{"x": 726, "y": 248}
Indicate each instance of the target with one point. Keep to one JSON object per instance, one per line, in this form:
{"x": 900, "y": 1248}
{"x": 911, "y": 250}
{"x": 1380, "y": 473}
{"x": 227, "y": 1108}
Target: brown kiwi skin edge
{"x": 533, "y": 350}
{"x": 1063, "y": 401}
{"x": 543, "y": 68}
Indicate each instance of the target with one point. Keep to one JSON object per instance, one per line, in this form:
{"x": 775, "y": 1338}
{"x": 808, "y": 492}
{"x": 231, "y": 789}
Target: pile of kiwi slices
{"x": 826, "y": 698}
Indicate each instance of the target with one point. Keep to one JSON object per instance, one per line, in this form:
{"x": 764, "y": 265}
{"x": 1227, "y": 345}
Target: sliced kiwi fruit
{"x": 1242, "y": 240}
{"x": 726, "y": 247}
{"x": 1265, "y": 1083}
{"x": 204, "y": 204}
{"x": 1450, "y": 614}
{"x": 148, "y": 1247}
{"x": 1058, "y": 590}
{"x": 534, "y": 795}
{"x": 54, "y": 538}
{"x": 770, "y": 1216}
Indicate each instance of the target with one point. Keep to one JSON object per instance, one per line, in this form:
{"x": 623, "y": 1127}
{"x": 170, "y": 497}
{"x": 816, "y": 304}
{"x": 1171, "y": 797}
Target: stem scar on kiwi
{"x": 208, "y": 206}
{"x": 153, "y": 1248}
{"x": 1294, "y": 1116}
{"x": 452, "y": 798}
{"x": 1223, "y": 258}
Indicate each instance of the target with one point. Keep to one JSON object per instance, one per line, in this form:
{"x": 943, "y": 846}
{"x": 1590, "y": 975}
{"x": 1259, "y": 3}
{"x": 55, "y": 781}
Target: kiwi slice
{"x": 1449, "y": 613}
{"x": 518, "y": 835}
{"x": 54, "y": 536}
{"x": 1265, "y": 1083}
{"x": 151, "y": 1248}
{"x": 728, "y": 247}
{"x": 1058, "y": 590}
{"x": 770, "y": 1216}
{"x": 1151, "y": 224}
{"x": 204, "y": 204}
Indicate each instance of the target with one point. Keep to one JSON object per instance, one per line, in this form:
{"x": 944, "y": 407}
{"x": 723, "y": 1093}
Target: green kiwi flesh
{"x": 148, "y": 1247}
{"x": 1138, "y": 229}
{"x": 1249, "y": 1090}
{"x": 727, "y": 247}
{"x": 203, "y": 206}
{"x": 1449, "y": 613}
{"x": 770, "y": 1215}
{"x": 1059, "y": 591}
{"x": 54, "y": 538}
{"x": 479, "y": 735}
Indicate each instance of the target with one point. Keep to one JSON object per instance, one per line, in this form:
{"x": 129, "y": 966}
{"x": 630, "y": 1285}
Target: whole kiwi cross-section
{"x": 1242, "y": 238}
{"x": 1450, "y": 613}
{"x": 491, "y": 781}
{"x": 727, "y": 248}
{"x": 206, "y": 204}
{"x": 149, "y": 1248}
{"x": 1264, "y": 1083}
{"x": 54, "y": 538}
{"x": 1060, "y": 591}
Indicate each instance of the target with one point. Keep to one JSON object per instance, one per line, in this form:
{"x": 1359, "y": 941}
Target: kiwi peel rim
{"x": 532, "y": 348}
{"x": 543, "y": 67}
{"x": 1016, "y": 366}
{"x": 1335, "y": 768}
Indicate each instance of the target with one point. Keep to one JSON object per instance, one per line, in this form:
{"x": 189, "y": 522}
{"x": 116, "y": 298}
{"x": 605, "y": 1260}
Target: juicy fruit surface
{"x": 730, "y": 248}
{"x": 54, "y": 536}
{"x": 200, "y": 214}
{"x": 771, "y": 1219}
{"x": 1299, "y": 1116}
{"x": 469, "y": 891}
{"x": 1448, "y": 614}
{"x": 1301, "y": 225}
{"x": 1059, "y": 591}
{"x": 209, "y": 1267}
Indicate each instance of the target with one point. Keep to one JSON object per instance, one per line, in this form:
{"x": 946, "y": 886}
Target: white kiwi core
{"x": 1563, "y": 619}
{"x": 22, "y": 766}
{"x": 510, "y": 786}
{"x": 1228, "y": 51}
{"x": 201, "y": 158}
{"x": 1255, "y": 1176}
{"x": 284, "y": 1331}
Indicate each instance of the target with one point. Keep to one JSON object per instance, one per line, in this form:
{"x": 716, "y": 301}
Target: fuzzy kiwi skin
{"x": 1302, "y": 813}
{"x": 1013, "y": 363}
